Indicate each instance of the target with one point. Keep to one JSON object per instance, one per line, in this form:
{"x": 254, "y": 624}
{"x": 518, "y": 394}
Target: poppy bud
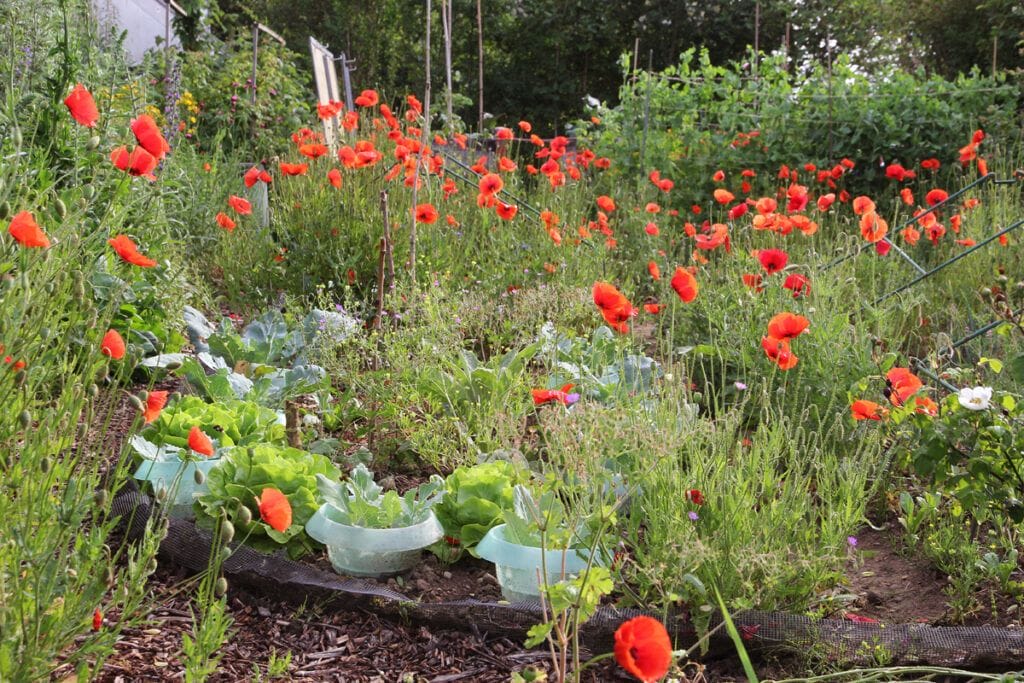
{"x": 61, "y": 208}
{"x": 82, "y": 203}
{"x": 5, "y": 210}
{"x": 93, "y": 143}
{"x": 151, "y": 566}
{"x": 19, "y": 378}
{"x": 82, "y": 430}
{"x": 143, "y": 395}
{"x": 72, "y": 573}
{"x": 1003, "y": 279}
{"x": 8, "y": 462}
{"x": 225, "y": 553}
{"x": 50, "y": 287}
{"x": 173, "y": 365}
{"x": 16, "y": 138}
{"x": 199, "y": 477}
{"x": 244, "y": 515}
{"x": 227, "y": 530}
{"x": 44, "y": 465}
{"x": 136, "y": 402}
{"x": 88, "y": 191}
{"x": 985, "y": 291}
{"x": 25, "y": 418}
{"x": 221, "y": 587}
{"x": 110, "y": 576}
{"x": 161, "y": 494}
{"x": 94, "y": 390}
{"x": 100, "y": 498}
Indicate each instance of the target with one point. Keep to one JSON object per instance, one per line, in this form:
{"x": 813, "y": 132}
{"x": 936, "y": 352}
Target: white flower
{"x": 977, "y": 398}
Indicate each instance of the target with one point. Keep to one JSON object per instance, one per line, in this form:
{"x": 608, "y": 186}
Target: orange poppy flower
{"x": 907, "y": 195}
{"x": 426, "y": 214}
{"x": 503, "y": 133}
{"x": 506, "y": 211}
{"x": 224, "y": 221}
{"x": 490, "y": 184}
{"x": 901, "y": 384}
{"x": 753, "y": 281}
{"x": 149, "y": 136}
{"x": 862, "y": 205}
{"x": 723, "y": 196}
{"x": 765, "y": 205}
{"x": 925, "y": 406}
{"x": 155, "y": 402}
{"x": 685, "y": 284}
{"x": 112, "y": 345}
{"x": 138, "y": 162}
{"x": 606, "y": 203}
{"x": 787, "y": 326}
{"x": 26, "y": 231}
{"x": 652, "y": 229}
{"x": 367, "y": 98}
{"x": 862, "y": 409}
{"x": 643, "y": 648}
{"x": 615, "y": 307}
{"x": 129, "y": 252}
{"x": 334, "y": 178}
{"x": 563, "y": 396}
{"x": 910, "y": 235}
{"x": 82, "y": 106}
{"x": 873, "y": 227}
{"x": 525, "y": 126}
{"x": 241, "y": 206}
{"x": 719, "y": 176}
{"x": 275, "y": 509}
{"x": 653, "y": 309}
{"x": 293, "y": 169}
{"x": 200, "y": 442}
{"x": 313, "y": 150}
{"x": 505, "y": 164}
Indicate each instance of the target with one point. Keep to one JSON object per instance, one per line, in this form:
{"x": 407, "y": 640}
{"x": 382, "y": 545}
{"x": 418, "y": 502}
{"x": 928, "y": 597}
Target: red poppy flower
{"x": 652, "y": 229}
{"x": 149, "y": 136}
{"x": 643, "y": 648}
{"x": 275, "y": 509}
{"x": 426, "y": 213}
{"x": 882, "y": 247}
{"x": 862, "y": 409}
{"x": 723, "y": 196}
{"x": 23, "y": 227}
{"x": 252, "y": 176}
{"x": 936, "y": 196}
{"x": 138, "y": 162}
{"x": 97, "y": 619}
{"x": 615, "y": 307}
{"x": 685, "y": 284}
{"x": 241, "y": 206}
{"x": 200, "y": 442}
{"x": 525, "y": 126}
{"x": 506, "y": 211}
{"x": 925, "y": 406}
{"x": 772, "y": 260}
{"x": 719, "y": 176}
{"x": 779, "y": 352}
{"x": 563, "y": 396}
{"x": 313, "y": 150}
{"x": 491, "y": 184}
{"x": 82, "y": 106}
{"x": 766, "y": 205}
{"x": 787, "y": 326}
{"x": 129, "y": 251}
{"x": 798, "y": 198}
{"x": 224, "y": 221}
{"x": 155, "y": 402}
{"x": 930, "y": 164}
{"x": 112, "y": 345}
{"x": 654, "y": 270}
{"x": 606, "y": 203}
{"x": 798, "y": 283}
{"x": 825, "y": 201}
{"x": 873, "y": 227}
{"x": 695, "y": 496}
{"x": 334, "y": 177}
{"x": 367, "y": 98}
{"x": 653, "y": 309}
{"x": 293, "y": 169}
{"x": 901, "y": 385}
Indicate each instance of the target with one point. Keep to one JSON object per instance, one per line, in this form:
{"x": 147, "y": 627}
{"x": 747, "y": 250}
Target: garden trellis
{"x": 325, "y": 77}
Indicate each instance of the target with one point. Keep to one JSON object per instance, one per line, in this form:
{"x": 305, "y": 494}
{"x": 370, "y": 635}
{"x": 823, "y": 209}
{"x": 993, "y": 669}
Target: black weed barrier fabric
{"x": 828, "y": 640}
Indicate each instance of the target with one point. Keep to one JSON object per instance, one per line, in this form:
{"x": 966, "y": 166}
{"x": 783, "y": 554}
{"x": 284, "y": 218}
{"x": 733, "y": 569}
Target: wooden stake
{"x": 480, "y": 63}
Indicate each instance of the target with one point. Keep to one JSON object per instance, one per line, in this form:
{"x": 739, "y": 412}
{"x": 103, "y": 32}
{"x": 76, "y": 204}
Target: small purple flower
{"x": 571, "y": 398}
{"x": 740, "y": 385}
{"x": 693, "y": 516}
{"x": 852, "y": 540}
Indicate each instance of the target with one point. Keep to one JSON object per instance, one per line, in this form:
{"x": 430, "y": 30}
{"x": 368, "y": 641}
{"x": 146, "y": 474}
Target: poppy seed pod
{"x": 136, "y": 402}
{"x": 25, "y": 418}
{"x": 93, "y": 143}
{"x": 221, "y": 587}
{"x": 244, "y": 515}
{"x": 61, "y": 208}
{"x": 227, "y": 531}
{"x": 199, "y": 477}
{"x": 100, "y": 498}
{"x": 151, "y": 566}
{"x": 44, "y": 465}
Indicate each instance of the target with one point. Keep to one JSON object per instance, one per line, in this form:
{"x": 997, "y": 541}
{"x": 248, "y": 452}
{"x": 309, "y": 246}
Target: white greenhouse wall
{"x": 145, "y": 21}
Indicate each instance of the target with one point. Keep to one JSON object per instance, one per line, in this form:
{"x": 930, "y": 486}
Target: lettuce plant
{"x": 362, "y": 502}
{"x": 242, "y": 475}
{"x": 476, "y": 498}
